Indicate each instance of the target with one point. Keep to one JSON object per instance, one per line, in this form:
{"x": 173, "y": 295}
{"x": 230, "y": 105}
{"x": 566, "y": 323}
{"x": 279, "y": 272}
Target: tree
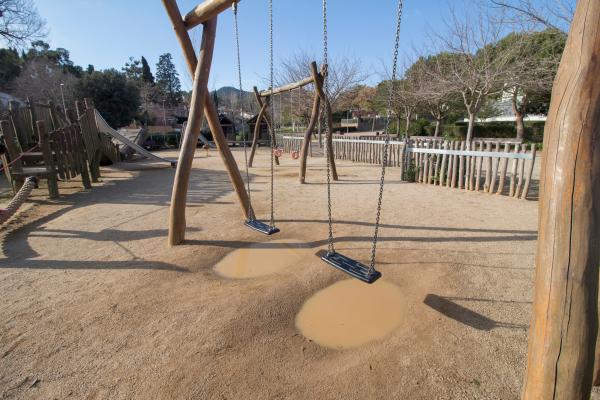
{"x": 434, "y": 97}
{"x": 534, "y": 59}
{"x": 146, "y": 72}
{"x": 20, "y": 22}
{"x": 10, "y": 66}
{"x": 115, "y": 97}
{"x": 60, "y": 57}
{"x": 469, "y": 66}
{"x": 42, "y": 79}
{"x": 133, "y": 69}
{"x": 167, "y": 79}
{"x": 551, "y": 14}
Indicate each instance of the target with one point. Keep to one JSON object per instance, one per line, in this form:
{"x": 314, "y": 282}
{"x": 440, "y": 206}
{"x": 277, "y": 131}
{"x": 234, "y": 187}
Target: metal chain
{"x": 324, "y": 115}
{"x": 269, "y": 126}
{"x": 241, "y": 104}
{"x": 387, "y": 135}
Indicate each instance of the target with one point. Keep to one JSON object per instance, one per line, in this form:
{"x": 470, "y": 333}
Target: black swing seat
{"x": 261, "y": 227}
{"x": 351, "y": 267}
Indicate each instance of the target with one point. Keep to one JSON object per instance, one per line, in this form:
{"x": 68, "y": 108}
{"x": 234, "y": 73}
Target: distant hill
{"x": 228, "y": 97}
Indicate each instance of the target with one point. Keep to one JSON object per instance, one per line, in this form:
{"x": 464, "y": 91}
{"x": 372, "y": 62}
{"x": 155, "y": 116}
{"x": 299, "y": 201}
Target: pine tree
{"x": 146, "y": 72}
{"x": 167, "y": 79}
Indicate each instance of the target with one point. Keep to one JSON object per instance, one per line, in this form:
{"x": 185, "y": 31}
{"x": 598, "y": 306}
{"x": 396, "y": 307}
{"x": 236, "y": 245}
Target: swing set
{"x": 206, "y": 14}
{"x": 564, "y": 325}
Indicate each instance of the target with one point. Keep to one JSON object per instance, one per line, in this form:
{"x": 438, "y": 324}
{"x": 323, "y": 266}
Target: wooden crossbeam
{"x": 287, "y": 88}
{"x": 206, "y": 11}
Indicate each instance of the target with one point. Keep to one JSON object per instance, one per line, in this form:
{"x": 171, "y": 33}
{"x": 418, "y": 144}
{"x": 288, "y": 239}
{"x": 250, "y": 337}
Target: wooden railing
{"x": 492, "y": 167}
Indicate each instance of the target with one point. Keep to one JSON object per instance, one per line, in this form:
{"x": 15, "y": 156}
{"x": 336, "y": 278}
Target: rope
{"x": 35, "y": 146}
{"x": 387, "y": 135}
{"x": 251, "y": 216}
{"x": 18, "y": 200}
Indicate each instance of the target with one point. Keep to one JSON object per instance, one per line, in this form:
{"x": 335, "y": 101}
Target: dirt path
{"x": 95, "y": 306}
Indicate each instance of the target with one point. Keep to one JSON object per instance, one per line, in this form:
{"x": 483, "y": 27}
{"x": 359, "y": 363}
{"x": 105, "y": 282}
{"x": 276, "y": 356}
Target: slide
{"x": 106, "y": 129}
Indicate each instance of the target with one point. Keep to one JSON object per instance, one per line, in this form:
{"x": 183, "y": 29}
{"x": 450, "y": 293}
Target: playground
{"x": 96, "y": 306}
{"x": 263, "y": 263}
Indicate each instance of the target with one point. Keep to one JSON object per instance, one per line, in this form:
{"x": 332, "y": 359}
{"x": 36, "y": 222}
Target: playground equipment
{"x": 105, "y": 128}
{"x": 251, "y": 221}
{"x": 352, "y": 267}
{"x": 17, "y": 201}
{"x": 317, "y": 77}
{"x": 201, "y": 103}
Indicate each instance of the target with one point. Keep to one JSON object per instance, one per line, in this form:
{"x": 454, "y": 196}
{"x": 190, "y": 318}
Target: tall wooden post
{"x": 190, "y": 138}
{"x": 564, "y": 324}
{"x": 206, "y": 14}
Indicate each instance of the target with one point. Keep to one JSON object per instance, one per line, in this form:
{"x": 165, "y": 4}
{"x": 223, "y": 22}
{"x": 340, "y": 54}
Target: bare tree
{"x": 344, "y": 73}
{"x": 40, "y": 79}
{"x": 20, "y": 22}
{"x": 468, "y": 64}
{"x": 554, "y": 14}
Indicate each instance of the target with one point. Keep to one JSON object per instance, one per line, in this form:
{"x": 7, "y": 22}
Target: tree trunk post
{"x": 564, "y": 324}
{"x": 470, "y": 127}
{"x": 329, "y": 148}
{"x": 308, "y": 136}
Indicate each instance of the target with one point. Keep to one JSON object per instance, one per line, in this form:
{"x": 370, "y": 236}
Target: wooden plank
{"x": 495, "y": 161}
{"x": 521, "y": 172}
{"x": 513, "y": 172}
{"x": 529, "y": 173}
{"x": 461, "y": 167}
{"x": 504, "y": 165}
{"x": 479, "y": 163}
{"x": 488, "y": 167}
{"x": 48, "y": 160}
{"x": 455, "y": 166}
{"x": 443, "y": 164}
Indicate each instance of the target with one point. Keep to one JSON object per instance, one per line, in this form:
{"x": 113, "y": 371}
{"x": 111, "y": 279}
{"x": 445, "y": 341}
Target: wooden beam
{"x": 319, "y": 89}
{"x": 314, "y": 116}
{"x": 562, "y": 335}
{"x": 209, "y": 107}
{"x": 288, "y": 87}
{"x": 206, "y": 11}
{"x": 262, "y": 115}
{"x": 190, "y": 137}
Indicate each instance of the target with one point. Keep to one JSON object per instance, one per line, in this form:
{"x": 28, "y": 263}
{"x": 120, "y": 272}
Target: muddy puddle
{"x": 261, "y": 259}
{"x": 350, "y": 313}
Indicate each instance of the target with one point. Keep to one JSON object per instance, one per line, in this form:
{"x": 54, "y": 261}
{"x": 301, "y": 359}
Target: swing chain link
{"x": 324, "y": 116}
{"x": 234, "y": 5}
{"x": 387, "y": 135}
{"x": 270, "y": 110}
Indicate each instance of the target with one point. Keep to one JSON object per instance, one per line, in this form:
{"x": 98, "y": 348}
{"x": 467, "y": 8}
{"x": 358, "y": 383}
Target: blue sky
{"x": 106, "y": 33}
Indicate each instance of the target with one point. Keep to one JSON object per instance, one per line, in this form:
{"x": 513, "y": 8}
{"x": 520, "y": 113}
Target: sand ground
{"x": 96, "y": 306}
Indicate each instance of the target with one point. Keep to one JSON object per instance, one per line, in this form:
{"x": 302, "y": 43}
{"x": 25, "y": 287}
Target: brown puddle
{"x": 351, "y": 313}
{"x": 260, "y": 259}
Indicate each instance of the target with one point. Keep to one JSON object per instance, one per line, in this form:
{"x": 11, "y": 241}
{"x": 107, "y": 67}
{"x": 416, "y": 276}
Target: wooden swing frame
{"x": 201, "y": 103}
{"x": 317, "y": 78}
{"x": 564, "y": 327}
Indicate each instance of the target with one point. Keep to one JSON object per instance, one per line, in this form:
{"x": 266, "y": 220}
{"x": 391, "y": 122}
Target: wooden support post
{"x": 461, "y": 167}
{"x": 495, "y": 161}
{"x": 209, "y": 108}
{"x": 48, "y": 160}
{"x": 262, "y": 115}
{"x": 564, "y": 325}
{"x": 306, "y": 142}
{"x": 315, "y": 75}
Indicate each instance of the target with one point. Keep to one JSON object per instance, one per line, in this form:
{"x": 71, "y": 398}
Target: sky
{"x": 105, "y": 33}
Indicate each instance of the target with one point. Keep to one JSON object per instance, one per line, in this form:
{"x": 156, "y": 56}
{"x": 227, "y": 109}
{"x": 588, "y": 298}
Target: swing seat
{"x": 351, "y": 267}
{"x": 261, "y": 227}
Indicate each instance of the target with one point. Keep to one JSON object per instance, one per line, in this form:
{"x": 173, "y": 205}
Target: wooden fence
{"x": 492, "y": 167}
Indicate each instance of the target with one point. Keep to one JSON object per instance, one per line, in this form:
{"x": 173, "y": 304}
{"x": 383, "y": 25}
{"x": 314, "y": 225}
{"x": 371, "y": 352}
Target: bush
{"x": 534, "y": 131}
